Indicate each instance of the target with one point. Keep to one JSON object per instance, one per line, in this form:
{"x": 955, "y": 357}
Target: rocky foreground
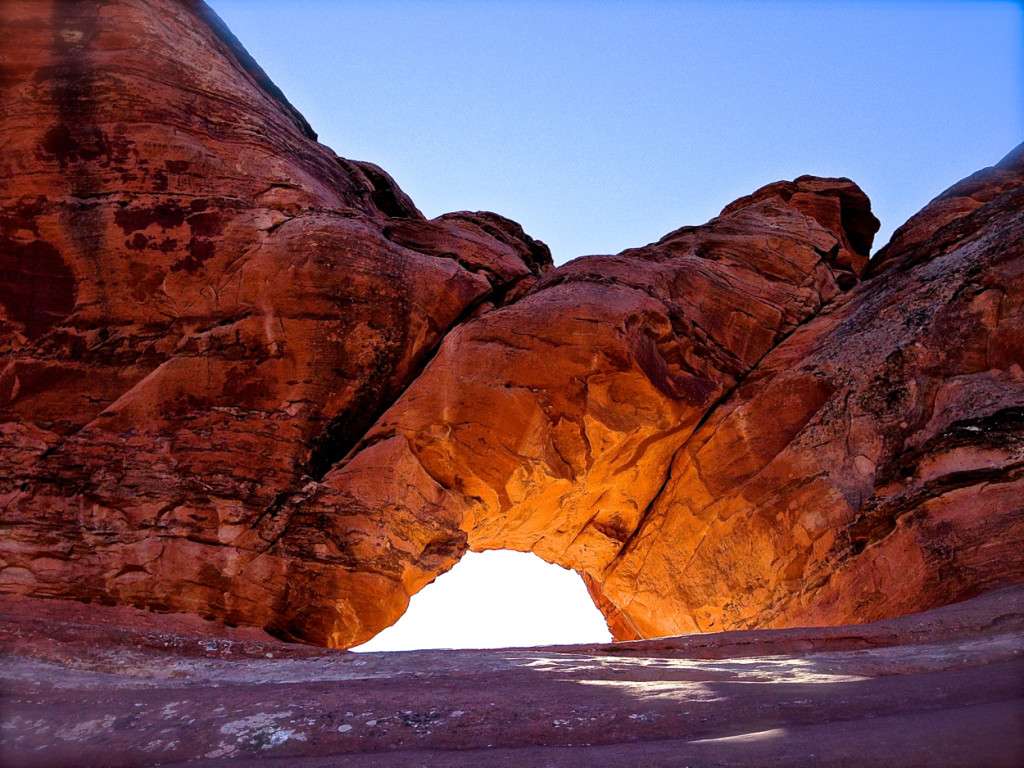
{"x": 92, "y": 686}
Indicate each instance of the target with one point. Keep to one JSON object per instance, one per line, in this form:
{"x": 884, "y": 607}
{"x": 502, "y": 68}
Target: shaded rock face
{"x": 246, "y": 379}
{"x": 201, "y": 309}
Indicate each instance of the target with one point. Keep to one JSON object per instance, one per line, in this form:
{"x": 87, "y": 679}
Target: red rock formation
{"x": 673, "y": 423}
{"x": 550, "y": 424}
{"x": 201, "y": 309}
{"x": 873, "y": 464}
{"x": 212, "y": 399}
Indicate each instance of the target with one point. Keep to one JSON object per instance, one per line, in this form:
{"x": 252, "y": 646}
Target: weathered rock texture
{"x": 685, "y": 427}
{"x": 245, "y": 378}
{"x": 201, "y": 308}
{"x": 873, "y": 463}
{"x": 93, "y": 686}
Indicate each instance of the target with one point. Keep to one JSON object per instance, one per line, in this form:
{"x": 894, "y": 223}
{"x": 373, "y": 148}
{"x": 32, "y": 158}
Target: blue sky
{"x": 601, "y": 125}
{"x": 604, "y": 124}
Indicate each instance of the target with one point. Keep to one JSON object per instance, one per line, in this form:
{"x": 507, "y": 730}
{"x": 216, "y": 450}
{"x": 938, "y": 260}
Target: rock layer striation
{"x": 201, "y": 308}
{"x": 247, "y": 379}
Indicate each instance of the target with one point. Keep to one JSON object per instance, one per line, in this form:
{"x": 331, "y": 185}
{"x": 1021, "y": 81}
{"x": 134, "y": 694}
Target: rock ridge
{"x": 200, "y": 305}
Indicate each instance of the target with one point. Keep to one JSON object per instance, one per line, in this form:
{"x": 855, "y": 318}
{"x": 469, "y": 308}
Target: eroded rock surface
{"x": 686, "y": 426}
{"x": 245, "y": 378}
{"x": 873, "y": 464}
{"x": 201, "y": 308}
{"x": 550, "y": 425}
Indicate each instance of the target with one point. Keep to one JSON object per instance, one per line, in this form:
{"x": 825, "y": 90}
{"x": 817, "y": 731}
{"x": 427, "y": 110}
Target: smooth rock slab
{"x": 943, "y": 688}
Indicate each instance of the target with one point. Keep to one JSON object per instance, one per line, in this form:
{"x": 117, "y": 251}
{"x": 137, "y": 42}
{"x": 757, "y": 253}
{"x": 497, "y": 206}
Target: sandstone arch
{"x": 550, "y": 425}
{"x": 273, "y": 393}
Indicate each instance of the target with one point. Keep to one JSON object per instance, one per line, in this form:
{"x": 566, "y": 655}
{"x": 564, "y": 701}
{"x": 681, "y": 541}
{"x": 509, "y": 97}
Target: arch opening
{"x": 497, "y": 599}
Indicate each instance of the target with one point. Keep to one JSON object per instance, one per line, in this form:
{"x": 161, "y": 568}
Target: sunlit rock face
{"x": 551, "y": 425}
{"x": 687, "y": 426}
{"x": 245, "y": 378}
{"x": 873, "y": 464}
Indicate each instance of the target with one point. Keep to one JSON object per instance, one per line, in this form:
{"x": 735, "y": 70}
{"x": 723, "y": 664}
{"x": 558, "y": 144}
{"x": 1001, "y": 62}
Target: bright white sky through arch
{"x": 601, "y": 125}
{"x": 497, "y": 599}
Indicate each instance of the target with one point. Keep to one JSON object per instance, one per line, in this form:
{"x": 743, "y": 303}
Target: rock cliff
{"x": 873, "y": 464}
{"x": 247, "y": 379}
{"x": 201, "y": 308}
